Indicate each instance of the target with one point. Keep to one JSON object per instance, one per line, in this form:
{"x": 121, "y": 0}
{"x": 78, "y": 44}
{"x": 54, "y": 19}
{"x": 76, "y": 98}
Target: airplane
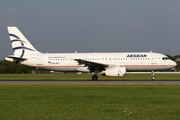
{"x": 108, "y": 64}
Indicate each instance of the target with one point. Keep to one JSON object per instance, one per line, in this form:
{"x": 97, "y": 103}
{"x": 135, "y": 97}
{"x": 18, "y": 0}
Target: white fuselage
{"x": 139, "y": 61}
{"x": 109, "y": 64}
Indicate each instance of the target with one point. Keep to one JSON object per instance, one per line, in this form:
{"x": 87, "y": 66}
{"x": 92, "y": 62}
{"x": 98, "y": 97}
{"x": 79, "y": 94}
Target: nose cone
{"x": 173, "y": 64}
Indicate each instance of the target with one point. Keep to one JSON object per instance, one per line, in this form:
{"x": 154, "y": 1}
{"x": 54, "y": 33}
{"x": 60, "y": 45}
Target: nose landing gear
{"x": 153, "y": 75}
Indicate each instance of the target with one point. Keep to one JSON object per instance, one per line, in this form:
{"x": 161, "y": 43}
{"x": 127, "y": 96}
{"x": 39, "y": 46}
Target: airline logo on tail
{"x": 17, "y": 39}
{"x": 20, "y": 45}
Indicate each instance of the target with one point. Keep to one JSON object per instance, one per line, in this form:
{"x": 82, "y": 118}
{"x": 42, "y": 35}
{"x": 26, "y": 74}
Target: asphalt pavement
{"x": 89, "y": 82}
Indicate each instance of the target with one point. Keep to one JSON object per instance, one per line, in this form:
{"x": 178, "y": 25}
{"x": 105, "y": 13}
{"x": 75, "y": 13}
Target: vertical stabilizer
{"x": 20, "y": 44}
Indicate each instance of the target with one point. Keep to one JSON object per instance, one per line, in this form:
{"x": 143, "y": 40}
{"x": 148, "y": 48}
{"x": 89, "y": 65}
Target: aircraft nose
{"x": 174, "y": 63}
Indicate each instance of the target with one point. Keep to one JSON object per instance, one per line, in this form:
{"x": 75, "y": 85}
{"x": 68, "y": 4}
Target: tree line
{"x": 13, "y": 68}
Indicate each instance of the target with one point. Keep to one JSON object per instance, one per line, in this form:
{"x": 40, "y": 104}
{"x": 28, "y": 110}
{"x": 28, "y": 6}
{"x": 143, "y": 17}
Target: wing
{"x": 92, "y": 66}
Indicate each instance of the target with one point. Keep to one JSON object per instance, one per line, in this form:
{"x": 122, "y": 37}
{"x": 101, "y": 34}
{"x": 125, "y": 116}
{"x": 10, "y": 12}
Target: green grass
{"x": 100, "y": 102}
{"x": 129, "y": 76}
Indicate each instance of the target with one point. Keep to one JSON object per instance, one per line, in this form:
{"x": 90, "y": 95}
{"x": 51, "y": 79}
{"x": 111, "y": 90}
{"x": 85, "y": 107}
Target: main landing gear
{"x": 95, "y": 77}
{"x": 153, "y": 75}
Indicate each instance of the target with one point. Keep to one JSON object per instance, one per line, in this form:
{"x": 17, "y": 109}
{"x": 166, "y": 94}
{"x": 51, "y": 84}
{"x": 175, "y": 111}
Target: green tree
{"x": 13, "y": 68}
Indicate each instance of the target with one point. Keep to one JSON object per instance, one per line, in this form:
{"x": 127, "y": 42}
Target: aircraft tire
{"x": 94, "y": 77}
{"x": 153, "y": 78}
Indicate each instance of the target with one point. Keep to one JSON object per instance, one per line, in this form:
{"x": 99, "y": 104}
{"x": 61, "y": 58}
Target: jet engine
{"x": 115, "y": 71}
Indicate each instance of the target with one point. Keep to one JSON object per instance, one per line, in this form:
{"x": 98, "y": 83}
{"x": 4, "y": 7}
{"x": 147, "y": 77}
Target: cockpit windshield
{"x": 165, "y": 58}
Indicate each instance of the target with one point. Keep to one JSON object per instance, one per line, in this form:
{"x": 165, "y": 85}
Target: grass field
{"x": 129, "y": 76}
{"x": 99, "y": 102}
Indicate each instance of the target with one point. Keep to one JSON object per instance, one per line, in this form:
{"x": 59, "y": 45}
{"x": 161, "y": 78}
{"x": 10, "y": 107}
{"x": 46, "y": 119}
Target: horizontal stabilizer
{"x": 18, "y": 58}
{"x": 14, "y": 59}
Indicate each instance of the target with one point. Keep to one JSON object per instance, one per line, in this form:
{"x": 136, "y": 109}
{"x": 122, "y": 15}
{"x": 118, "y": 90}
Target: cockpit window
{"x": 165, "y": 58}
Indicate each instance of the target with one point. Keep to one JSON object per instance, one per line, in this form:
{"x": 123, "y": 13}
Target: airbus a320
{"x": 108, "y": 64}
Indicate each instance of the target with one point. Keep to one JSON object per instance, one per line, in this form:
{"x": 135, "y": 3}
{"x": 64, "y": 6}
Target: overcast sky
{"x": 60, "y": 26}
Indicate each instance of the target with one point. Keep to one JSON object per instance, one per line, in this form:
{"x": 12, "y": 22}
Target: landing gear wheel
{"x": 94, "y": 77}
{"x": 153, "y": 75}
{"x": 153, "y": 78}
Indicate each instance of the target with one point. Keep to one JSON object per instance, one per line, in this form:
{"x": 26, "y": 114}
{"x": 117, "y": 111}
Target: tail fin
{"x": 20, "y": 44}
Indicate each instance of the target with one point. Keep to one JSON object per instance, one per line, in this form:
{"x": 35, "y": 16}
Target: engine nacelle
{"x": 115, "y": 71}
{"x": 83, "y": 69}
